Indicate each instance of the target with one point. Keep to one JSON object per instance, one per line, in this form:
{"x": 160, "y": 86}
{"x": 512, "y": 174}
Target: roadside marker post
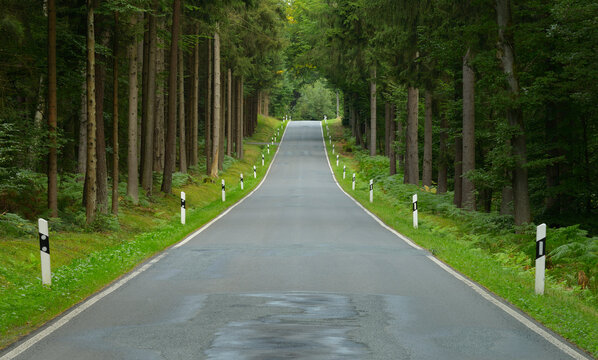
{"x": 263, "y": 158}
{"x": 344, "y": 171}
{"x": 353, "y": 181}
{"x": 44, "y": 250}
{"x": 329, "y": 140}
{"x": 269, "y": 149}
{"x": 333, "y": 150}
{"x": 223, "y": 191}
{"x": 415, "y": 220}
{"x": 183, "y": 209}
{"x": 255, "y": 172}
{"x": 242, "y": 186}
{"x": 540, "y": 258}
{"x": 337, "y": 160}
{"x": 371, "y": 190}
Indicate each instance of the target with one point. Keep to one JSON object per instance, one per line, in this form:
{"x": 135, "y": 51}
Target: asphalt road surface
{"x": 296, "y": 271}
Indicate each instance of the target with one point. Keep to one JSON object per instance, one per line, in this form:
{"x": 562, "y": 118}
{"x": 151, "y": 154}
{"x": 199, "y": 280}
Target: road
{"x": 296, "y": 271}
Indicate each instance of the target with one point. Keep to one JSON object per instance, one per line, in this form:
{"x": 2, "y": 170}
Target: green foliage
{"x": 12, "y": 225}
{"x": 315, "y": 102}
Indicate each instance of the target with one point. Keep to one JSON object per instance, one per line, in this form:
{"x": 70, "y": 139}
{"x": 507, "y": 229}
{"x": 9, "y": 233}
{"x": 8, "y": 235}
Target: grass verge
{"x": 84, "y": 262}
{"x": 506, "y": 272}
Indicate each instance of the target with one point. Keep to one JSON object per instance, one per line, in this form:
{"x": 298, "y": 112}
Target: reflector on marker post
{"x": 415, "y": 220}
{"x": 254, "y": 172}
{"x": 371, "y": 190}
{"x": 241, "y": 181}
{"x": 223, "y": 191}
{"x": 344, "y": 171}
{"x": 44, "y": 250}
{"x": 540, "y": 258}
{"x": 353, "y": 181}
{"x": 183, "y": 205}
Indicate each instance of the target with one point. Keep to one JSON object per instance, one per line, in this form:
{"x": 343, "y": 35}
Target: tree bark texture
{"x": 239, "y": 127}
{"x": 159, "y": 108}
{"x": 82, "y": 155}
{"x": 90, "y": 174}
{"x": 457, "y": 198}
{"x": 149, "y": 121}
{"x": 514, "y": 114}
{"x": 115, "y": 117}
{"x": 443, "y": 156}
{"x": 195, "y": 105}
{"x": 392, "y": 155}
{"x": 102, "y": 167}
{"x": 229, "y": 104}
{"x": 132, "y": 165}
{"x": 468, "y": 190}
{"x": 170, "y": 151}
{"x": 209, "y": 121}
{"x": 372, "y": 138}
{"x": 221, "y": 146}
{"x": 216, "y": 109}
{"x": 412, "y": 158}
{"x": 52, "y": 113}
{"x": 181, "y": 114}
{"x": 427, "y": 164}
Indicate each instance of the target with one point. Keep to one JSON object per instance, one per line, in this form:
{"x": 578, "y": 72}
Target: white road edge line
{"x": 88, "y": 303}
{"x": 564, "y": 347}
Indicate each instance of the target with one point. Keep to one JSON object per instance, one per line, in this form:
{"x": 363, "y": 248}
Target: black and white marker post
{"x": 269, "y": 149}
{"x": 223, "y": 191}
{"x": 263, "y": 157}
{"x": 332, "y": 149}
{"x": 183, "y": 207}
{"x": 254, "y": 172}
{"x": 242, "y": 182}
{"x": 44, "y": 250}
{"x": 344, "y": 171}
{"x": 415, "y": 220}
{"x": 337, "y": 160}
{"x": 353, "y": 181}
{"x": 540, "y": 258}
{"x": 371, "y": 190}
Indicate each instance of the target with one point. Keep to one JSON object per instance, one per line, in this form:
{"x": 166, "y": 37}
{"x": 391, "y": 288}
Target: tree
{"x": 181, "y": 114}
{"x": 52, "y": 112}
{"x": 132, "y": 165}
{"x": 412, "y": 156}
{"x": 115, "y": 118}
{"x": 427, "y": 164}
{"x": 468, "y": 189}
{"x": 216, "y": 109}
{"x": 90, "y": 174}
{"x": 373, "y": 110}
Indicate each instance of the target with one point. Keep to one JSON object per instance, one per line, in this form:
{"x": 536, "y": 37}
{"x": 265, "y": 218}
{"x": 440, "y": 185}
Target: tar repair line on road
{"x": 88, "y": 303}
{"x": 561, "y": 345}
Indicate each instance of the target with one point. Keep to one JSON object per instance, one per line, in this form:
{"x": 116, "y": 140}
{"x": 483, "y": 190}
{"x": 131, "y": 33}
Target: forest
{"x": 488, "y": 106}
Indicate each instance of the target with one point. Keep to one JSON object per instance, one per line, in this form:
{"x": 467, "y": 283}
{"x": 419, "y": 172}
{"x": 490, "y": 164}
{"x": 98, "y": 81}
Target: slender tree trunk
{"x": 457, "y": 199}
{"x": 142, "y": 129}
{"x": 115, "y": 118}
{"x": 239, "y": 135}
{"x": 170, "y": 152}
{"x": 82, "y": 156}
{"x": 229, "y": 107}
{"x": 338, "y": 105}
{"x": 412, "y": 158}
{"x": 159, "y": 107}
{"x": 52, "y": 113}
{"x": 468, "y": 190}
{"x": 216, "y": 109}
{"x": 132, "y": 166}
{"x": 221, "y": 147}
{"x": 427, "y": 165}
{"x": 392, "y": 155}
{"x": 102, "y": 167}
{"x": 372, "y": 138}
{"x": 209, "y": 120}
{"x": 400, "y": 136}
{"x": 514, "y": 114}
{"x": 90, "y": 175}
{"x": 443, "y": 156}
{"x": 194, "y": 104}
{"x": 182, "y": 130}
{"x": 386, "y": 129}
{"x": 148, "y": 156}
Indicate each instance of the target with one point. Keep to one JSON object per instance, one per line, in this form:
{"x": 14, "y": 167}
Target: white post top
{"x": 371, "y": 181}
{"x": 43, "y": 226}
{"x": 222, "y": 181}
{"x": 541, "y": 232}
{"x": 414, "y": 197}
{"x": 241, "y": 176}
{"x": 183, "y": 195}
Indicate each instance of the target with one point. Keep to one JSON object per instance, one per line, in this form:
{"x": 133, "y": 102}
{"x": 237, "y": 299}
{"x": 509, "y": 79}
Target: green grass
{"x": 504, "y": 270}
{"x": 84, "y": 262}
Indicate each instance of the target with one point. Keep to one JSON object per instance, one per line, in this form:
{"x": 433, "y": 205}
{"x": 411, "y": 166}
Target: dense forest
{"x": 488, "y": 100}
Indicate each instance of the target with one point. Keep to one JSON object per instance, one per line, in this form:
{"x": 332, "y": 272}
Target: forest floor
{"x": 87, "y": 259}
{"x": 484, "y": 247}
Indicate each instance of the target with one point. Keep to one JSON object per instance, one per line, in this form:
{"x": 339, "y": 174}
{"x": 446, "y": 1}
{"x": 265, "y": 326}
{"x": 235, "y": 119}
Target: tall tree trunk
{"x": 239, "y": 134}
{"x": 338, "y": 105}
{"x": 52, "y": 113}
{"x": 209, "y": 120}
{"x": 182, "y": 130}
{"x": 90, "y": 174}
{"x": 132, "y": 166}
{"x": 443, "y": 156}
{"x": 115, "y": 118}
{"x": 170, "y": 151}
{"x": 194, "y": 104}
{"x": 427, "y": 165}
{"x": 457, "y": 198}
{"x": 412, "y": 158}
{"x": 142, "y": 128}
{"x": 392, "y": 155}
{"x": 386, "y": 129}
{"x": 401, "y": 137}
{"x": 229, "y": 107}
{"x": 514, "y": 114}
{"x": 82, "y": 156}
{"x": 221, "y": 146}
{"x": 149, "y": 122}
{"x": 468, "y": 190}
{"x": 102, "y": 167}
{"x": 216, "y": 109}
{"x": 372, "y": 138}
{"x": 159, "y": 108}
